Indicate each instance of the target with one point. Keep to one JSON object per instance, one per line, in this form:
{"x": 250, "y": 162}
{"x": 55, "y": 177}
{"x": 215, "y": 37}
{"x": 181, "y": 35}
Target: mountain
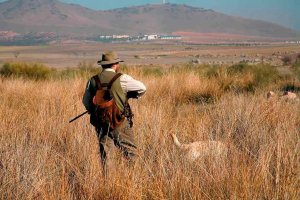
{"x": 25, "y": 16}
{"x": 48, "y": 16}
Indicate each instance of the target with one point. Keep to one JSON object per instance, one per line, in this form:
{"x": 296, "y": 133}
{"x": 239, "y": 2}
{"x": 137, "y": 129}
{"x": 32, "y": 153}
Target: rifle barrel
{"x": 78, "y": 116}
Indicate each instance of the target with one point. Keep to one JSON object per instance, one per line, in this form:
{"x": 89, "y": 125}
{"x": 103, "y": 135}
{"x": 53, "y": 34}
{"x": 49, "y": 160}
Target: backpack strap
{"x": 113, "y": 80}
{"x": 108, "y": 85}
{"x": 98, "y": 82}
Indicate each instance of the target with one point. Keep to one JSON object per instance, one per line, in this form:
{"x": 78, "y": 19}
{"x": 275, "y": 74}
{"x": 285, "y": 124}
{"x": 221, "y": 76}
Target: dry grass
{"x": 42, "y": 156}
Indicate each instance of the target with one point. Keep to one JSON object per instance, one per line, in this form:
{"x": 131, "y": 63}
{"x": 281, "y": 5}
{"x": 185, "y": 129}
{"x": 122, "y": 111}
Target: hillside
{"x": 25, "y": 16}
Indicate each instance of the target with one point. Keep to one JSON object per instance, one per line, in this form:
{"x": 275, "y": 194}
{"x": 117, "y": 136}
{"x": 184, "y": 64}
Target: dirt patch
{"x": 147, "y": 53}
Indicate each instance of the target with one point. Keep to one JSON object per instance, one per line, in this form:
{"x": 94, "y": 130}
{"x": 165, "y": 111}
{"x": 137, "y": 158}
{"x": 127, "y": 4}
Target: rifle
{"x": 78, "y": 116}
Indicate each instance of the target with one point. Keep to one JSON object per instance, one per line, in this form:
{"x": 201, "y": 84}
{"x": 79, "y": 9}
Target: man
{"x": 123, "y": 87}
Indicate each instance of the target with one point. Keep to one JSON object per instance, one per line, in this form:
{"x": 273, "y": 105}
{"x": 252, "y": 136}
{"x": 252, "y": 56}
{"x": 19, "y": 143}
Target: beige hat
{"x": 108, "y": 58}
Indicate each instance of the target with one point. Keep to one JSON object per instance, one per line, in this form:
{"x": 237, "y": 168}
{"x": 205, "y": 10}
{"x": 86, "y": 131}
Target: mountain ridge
{"x": 72, "y": 19}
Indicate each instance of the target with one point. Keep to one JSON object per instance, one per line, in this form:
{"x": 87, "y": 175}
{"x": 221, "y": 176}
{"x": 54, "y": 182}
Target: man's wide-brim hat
{"x": 109, "y": 58}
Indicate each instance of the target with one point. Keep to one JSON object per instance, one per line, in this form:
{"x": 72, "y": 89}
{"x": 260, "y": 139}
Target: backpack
{"x": 107, "y": 111}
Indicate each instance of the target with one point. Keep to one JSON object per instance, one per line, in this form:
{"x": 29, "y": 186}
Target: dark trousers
{"x": 122, "y": 138}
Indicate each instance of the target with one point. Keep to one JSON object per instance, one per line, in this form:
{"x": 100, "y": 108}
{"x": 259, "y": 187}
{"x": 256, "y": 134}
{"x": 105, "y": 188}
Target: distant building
{"x": 151, "y": 37}
{"x": 105, "y": 36}
{"x": 170, "y": 37}
{"x": 120, "y": 36}
{"x": 113, "y": 38}
{"x": 292, "y": 42}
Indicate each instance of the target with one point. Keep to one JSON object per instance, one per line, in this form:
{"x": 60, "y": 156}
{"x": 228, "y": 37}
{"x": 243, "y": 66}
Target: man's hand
{"x": 133, "y": 94}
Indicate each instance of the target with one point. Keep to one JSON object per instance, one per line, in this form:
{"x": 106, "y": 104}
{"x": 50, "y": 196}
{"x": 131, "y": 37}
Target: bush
{"x": 205, "y": 70}
{"x": 77, "y": 72}
{"x": 213, "y": 71}
{"x": 153, "y": 71}
{"x": 238, "y": 78}
{"x": 263, "y": 74}
{"x": 238, "y": 68}
{"x": 26, "y": 70}
{"x": 38, "y": 71}
{"x": 287, "y": 60}
{"x": 86, "y": 69}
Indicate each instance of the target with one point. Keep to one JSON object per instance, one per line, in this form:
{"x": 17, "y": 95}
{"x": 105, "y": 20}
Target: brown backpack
{"x": 107, "y": 110}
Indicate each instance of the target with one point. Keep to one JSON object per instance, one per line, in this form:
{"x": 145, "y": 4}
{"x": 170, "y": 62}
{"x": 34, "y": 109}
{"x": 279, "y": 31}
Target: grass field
{"x": 42, "y": 156}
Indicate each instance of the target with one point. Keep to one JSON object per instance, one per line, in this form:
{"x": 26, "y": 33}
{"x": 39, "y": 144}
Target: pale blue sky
{"x": 284, "y": 12}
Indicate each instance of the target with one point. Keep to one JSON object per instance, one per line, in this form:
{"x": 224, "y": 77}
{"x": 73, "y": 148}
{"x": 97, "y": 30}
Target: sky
{"x": 284, "y": 12}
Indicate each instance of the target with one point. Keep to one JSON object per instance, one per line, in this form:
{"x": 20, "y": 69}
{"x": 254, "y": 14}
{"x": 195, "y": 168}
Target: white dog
{"x": 287, "y": 96}
{"x": 196, "y": 150}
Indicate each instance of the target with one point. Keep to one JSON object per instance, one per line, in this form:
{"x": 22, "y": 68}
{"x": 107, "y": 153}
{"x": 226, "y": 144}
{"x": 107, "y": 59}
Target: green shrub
{"x": 71, "y": 73}
{"x": 199, "y": 69}
{"x": 214, "y": 71}
{"x": 153, "y": 71}
{"x": 87, "y": 69}
{"x": 180, "y": 68}
{"x": 26, "y": 70}
{"x": 238, "y": 68}
{"x": 38, "y": 71}
{"x": 296, "y": 67}
{"x": 263, "y": 74}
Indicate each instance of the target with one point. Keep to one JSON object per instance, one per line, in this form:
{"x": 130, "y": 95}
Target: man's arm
{"x": 87, "y": 99}
{"x": 133, "y": 88}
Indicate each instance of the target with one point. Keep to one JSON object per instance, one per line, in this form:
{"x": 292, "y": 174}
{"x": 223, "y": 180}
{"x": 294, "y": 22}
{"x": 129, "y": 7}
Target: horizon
{"x": 284, "y": 13}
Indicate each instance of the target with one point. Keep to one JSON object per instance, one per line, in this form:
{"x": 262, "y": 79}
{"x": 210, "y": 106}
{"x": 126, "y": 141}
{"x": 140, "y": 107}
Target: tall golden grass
{"x": 42, "y": 156}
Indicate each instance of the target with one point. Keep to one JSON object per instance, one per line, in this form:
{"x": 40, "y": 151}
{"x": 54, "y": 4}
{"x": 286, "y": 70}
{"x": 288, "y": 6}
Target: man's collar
{"x": 109, "y": 70}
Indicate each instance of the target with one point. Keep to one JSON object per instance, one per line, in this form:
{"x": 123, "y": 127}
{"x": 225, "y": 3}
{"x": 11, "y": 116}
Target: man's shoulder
{"x": 125, "y": 77}
{"x": 94, "y": 76}
{"x": 92, "y": 80}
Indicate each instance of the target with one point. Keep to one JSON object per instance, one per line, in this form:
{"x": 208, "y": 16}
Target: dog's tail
{"x": 176, "y": 141}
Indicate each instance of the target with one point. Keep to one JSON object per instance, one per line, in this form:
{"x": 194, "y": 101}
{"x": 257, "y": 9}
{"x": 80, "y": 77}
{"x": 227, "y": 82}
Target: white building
{"x": 151, "y": 37}
{"x": 120, "y": 36}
